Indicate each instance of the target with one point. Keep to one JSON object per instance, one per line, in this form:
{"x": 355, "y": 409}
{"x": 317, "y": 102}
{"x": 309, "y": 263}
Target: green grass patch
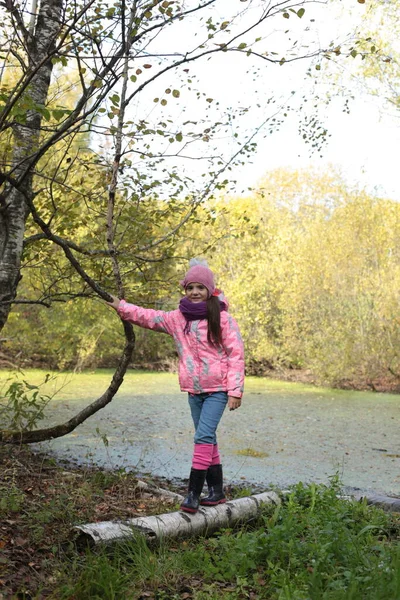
{"x": 314, "y": 547}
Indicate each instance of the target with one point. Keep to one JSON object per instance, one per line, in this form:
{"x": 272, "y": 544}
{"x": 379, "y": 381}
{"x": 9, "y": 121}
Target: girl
{"x": 211, "y": 369}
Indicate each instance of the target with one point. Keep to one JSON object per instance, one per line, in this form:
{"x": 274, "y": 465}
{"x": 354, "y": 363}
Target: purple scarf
{"x": 194, "y": 311}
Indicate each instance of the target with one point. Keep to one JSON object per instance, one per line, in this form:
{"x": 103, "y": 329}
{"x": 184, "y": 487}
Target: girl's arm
{"x": 157, "y": 320}
{"x": 233, "y": 346}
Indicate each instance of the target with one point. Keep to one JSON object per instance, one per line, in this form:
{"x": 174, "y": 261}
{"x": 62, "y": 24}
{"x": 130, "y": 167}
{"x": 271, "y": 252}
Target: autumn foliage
{"x": 310, "y": 265}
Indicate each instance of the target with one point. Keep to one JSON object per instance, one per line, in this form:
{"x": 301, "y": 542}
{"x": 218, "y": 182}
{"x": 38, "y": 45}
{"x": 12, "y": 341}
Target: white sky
{"x": 363, "y": 144}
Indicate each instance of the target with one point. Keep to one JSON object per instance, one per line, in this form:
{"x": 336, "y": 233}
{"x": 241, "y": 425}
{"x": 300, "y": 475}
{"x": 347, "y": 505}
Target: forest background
{"x": 311, "y": 269}
{"x": 309, "y": 262}
{"x": 125, "y": 128}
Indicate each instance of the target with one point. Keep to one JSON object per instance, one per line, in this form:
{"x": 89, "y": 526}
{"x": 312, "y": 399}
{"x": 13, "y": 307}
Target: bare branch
{"x": 41, "y": 302}
{"x": 30, "y": 437}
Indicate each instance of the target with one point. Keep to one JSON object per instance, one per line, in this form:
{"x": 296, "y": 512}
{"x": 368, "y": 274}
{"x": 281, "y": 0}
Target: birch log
{"x": 387, "y": 503}
{"x": 177, "y": 524}
{"x": 157, "y": 491}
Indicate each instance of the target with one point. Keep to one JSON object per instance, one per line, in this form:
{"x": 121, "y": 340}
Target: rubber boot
{"x": 215, "y": 487}
{"x": 196, "y": 483}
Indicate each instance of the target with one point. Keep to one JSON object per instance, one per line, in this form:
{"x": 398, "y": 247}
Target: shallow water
{"x": 302, "y": 433}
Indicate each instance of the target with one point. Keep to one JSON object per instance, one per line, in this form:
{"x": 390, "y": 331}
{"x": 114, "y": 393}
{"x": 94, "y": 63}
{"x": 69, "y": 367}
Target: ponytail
{"x": 214, "y": 335}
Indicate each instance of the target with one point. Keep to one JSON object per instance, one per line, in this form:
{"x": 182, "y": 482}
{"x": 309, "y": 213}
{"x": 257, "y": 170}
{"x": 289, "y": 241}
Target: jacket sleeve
{"x": 233, "y": 345}
{"x": 157, "y": 320}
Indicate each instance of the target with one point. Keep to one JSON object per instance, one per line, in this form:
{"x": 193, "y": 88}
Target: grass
{"x": 315, "y": 546}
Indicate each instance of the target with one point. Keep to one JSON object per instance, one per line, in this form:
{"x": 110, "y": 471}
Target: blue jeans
{"x": 207, "y": 410}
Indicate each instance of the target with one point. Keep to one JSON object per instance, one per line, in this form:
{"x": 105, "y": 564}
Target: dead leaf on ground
{"x": 19, "y": 541}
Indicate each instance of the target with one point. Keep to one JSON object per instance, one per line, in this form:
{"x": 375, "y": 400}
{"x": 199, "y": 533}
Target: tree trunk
{"x": 26, "y": 136}
{"x": 17, "y": 202}
{"x": 177, "y": 524}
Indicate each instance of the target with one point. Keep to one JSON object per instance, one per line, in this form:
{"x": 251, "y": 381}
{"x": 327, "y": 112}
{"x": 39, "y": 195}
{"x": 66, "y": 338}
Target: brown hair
{"x": 214, "y": 334}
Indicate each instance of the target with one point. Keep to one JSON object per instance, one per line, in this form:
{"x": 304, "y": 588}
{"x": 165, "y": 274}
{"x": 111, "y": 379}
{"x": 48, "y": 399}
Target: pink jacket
{"x": 202, "y": 367}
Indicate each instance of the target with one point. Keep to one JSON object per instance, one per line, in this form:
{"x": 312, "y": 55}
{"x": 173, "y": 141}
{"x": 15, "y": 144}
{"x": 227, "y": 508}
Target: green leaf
{"x": 242, "y": 46}
{"x": 30, "y": 386}
{"x": 179, "y": 137}
{"x": 58, "y": 114}
{"x": 176, "y": 93}
{"x": 46, "y": 113}
{"x": 286, "y": 15}
{"x": 301, "y": 12}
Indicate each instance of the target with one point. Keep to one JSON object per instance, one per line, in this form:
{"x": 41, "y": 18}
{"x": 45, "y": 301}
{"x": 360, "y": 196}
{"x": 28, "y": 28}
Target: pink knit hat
{"x": 199, "y": 273}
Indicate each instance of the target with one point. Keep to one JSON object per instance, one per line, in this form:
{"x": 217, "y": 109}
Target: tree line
{"x": 310, "y": 266}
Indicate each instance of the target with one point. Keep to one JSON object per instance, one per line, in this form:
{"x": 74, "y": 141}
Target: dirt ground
{"x": 41, "y": 501}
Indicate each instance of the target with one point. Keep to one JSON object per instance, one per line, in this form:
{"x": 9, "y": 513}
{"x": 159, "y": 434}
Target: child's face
{"x": 196, "y": 292}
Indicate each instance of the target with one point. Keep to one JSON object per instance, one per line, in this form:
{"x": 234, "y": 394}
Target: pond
{"x": 284, "y": 432}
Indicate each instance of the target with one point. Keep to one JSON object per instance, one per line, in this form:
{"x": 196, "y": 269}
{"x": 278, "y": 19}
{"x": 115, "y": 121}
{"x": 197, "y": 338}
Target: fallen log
{"x": 177, "y": 524}
{"x": 387, "y": 503}
{"x": 157, "y": 491}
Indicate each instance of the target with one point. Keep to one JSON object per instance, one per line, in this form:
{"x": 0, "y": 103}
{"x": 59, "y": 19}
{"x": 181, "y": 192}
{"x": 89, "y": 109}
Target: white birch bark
{"x": 179, "y": 524}
{"x": 25, "y": 141}
{"x": 157, "y": 491}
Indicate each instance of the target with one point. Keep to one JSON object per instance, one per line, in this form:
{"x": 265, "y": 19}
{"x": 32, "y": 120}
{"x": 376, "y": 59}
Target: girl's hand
{"x": 115, "y": 302}
{"x": 234, "y": 403}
